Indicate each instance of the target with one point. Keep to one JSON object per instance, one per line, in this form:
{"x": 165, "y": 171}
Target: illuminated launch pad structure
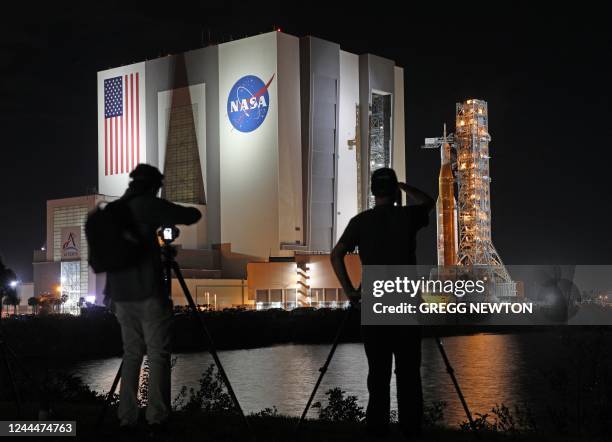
{"x": 464, "y": 228}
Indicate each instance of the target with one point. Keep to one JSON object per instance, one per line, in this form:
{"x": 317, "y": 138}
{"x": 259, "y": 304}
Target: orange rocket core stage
{"x": 447, "y": 212}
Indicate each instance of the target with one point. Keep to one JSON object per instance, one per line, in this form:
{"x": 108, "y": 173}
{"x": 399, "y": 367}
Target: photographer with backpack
{"x": 123, "y": 242}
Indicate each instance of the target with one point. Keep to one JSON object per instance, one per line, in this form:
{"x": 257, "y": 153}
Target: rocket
{"x": 446, "y": 210}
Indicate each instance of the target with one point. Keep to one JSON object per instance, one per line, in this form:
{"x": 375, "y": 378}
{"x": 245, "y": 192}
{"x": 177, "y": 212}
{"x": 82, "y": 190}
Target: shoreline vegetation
{"x": 96, "y": 334}
{"x": 576, "y": 410}
{"x": 207, "y": 413}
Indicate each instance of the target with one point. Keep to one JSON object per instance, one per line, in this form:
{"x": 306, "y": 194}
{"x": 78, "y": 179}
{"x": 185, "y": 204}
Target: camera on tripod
{"x": 168, "y": 234}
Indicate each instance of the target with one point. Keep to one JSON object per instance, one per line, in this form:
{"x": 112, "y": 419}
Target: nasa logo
{"x": 70, "y": 244}
{"x": 248, "y": 103}
{"x": 70, "y": 248}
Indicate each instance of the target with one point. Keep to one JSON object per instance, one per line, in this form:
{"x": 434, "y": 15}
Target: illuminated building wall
{"x": 122, "y": 126}
{"x": 214, "y": 294}
{"x": 71, "y": 218}
{"x": 308, "y": 281}
{"x": 274, "y": 136}
{"x": 348, "y": 142}
{"x": 62, "y": 268}
{"x": 260, "y": 178}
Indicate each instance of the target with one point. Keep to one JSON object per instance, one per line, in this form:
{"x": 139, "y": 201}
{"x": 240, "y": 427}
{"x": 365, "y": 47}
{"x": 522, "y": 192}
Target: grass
{"x": 199, "y": 426}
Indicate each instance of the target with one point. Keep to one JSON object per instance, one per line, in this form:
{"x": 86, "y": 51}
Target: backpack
{"x": 114, "y": 240}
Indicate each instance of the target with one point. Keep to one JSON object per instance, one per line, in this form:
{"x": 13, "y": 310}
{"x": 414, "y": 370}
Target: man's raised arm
{"x": 167, "y": 213}
{"x": 417, "y": 196}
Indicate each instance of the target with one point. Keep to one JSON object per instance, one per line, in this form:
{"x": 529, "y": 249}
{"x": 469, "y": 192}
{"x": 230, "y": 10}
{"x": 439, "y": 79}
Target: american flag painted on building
{"x": 121, "y": 124}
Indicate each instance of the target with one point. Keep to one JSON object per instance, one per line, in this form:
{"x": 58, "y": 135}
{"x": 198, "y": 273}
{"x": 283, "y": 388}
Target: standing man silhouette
{"x": 141, "y": 304}
{"x": 386, "y": 235}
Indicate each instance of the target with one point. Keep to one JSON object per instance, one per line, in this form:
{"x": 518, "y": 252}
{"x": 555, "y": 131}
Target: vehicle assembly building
{"x": 272, "y": 137}
{"x": 260, "y": 131}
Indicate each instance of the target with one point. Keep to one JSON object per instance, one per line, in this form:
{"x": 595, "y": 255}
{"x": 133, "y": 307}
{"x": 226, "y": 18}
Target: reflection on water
{"x": 491, "y": 369}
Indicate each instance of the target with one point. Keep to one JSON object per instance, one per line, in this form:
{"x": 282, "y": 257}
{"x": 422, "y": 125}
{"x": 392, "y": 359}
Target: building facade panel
{"x": 249, "y": 158}
{"x": 320, "y": 85}
{"x": 289, "y": 141}
{"x": 122, "y": 126}
{"x": 347, "y": 202}
{"x": 399, "y": 127}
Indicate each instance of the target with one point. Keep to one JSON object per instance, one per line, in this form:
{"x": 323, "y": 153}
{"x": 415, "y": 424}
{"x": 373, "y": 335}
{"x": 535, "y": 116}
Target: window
{"x": 290, "y": 298}
{"x": 331, "y": 295}
{"x": 70, "y": 277}
{"x": 68, "y": 217}
{"x": 262, "y": 296}
{"x": 276, "y": 295}
{"x": 316, "y": 295}
{"x": 380, "y": 135}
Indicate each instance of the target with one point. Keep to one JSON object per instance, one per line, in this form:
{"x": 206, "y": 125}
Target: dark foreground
{"x": 206, "y": 413}
{"x": 200, "y": 426}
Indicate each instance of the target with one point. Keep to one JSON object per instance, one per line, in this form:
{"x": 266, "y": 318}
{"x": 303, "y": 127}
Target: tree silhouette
{"x": 11, "y": 298}
{"x": 33, "y": 302}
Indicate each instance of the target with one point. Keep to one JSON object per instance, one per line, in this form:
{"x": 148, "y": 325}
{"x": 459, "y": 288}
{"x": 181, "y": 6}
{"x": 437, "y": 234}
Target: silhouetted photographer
{"x": 386, "y": 235}
{"x": 123, "y": 242}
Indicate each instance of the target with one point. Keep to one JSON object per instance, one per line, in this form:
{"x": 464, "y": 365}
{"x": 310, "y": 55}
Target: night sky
{"x": 545, "y": 73}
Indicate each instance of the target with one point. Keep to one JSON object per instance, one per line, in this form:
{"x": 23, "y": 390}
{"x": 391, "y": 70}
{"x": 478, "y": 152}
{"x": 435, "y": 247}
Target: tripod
{"x": 323, "y": 370}
{"x": 170, "y": 265}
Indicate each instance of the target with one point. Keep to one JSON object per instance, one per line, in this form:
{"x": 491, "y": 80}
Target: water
{"x": 491, "y": 369}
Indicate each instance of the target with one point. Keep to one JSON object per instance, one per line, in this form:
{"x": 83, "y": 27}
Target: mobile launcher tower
{"x": 464, "y": 227}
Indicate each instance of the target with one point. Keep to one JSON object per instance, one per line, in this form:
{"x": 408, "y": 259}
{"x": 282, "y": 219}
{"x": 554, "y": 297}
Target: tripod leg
{"x": 451, "y": 373}
{"x": 11, "y": 377}
{"x": 323, "y": 369}
{"x": 109, "y": 397}
{"x": 211, "y": 343}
